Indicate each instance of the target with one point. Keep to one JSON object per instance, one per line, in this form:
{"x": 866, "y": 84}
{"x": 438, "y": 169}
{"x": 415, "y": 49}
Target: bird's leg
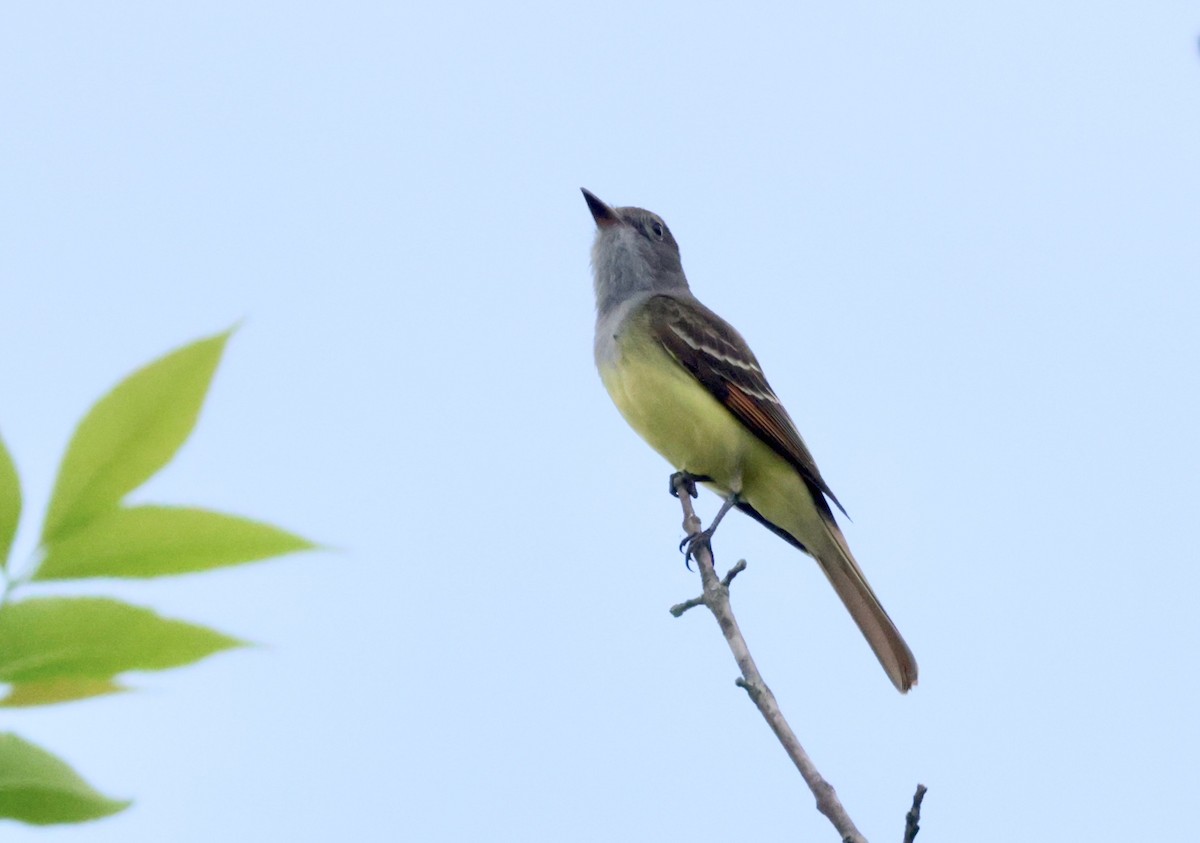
{"x": 705, "y": 536}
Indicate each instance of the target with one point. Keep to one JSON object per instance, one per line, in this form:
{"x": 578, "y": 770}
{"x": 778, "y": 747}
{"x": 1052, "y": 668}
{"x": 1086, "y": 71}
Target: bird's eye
{"x": 657, "y": 228}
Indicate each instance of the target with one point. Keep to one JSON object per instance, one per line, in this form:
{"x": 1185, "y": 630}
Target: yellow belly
{"x": 677, "y": 416}
{"x": 681, "y": 420}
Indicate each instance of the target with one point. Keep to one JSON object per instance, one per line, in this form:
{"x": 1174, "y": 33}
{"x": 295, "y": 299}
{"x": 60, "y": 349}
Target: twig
{"x": 679, "y": 608}
{"x": 733, "y": 572}
{"x": 716, "y": 598}
{"x": 912, "y": 820}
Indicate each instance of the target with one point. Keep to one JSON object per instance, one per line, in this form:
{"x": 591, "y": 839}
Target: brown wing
{"x": 717, "y": 356}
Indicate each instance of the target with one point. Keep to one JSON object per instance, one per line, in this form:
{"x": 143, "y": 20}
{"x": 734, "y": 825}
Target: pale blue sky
{"x": 963, "y": 239}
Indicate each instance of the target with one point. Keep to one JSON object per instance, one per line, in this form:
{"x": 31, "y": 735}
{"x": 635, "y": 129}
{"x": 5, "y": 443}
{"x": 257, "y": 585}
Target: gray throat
{"x": 623, "y": 270}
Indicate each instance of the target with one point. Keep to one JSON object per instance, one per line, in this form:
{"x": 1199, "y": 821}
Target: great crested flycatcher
{"x": 686, "y": 381}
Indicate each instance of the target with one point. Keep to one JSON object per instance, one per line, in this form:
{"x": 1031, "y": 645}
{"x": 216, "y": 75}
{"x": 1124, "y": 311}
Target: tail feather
{"x": 848, "y": 581}
{"x": 847, "y": 578}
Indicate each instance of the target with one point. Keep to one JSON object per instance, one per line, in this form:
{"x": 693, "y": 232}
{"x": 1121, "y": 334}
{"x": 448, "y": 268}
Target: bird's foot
{"x": 694, "y": 542}
{"x": 681, "y": 480}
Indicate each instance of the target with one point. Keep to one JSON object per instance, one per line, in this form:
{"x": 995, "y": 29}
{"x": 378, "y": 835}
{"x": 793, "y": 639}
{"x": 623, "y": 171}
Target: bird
{"x": 687, "y": 382}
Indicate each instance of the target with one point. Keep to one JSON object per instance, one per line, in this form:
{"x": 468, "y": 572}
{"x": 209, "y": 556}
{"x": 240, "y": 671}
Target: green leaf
{"x": 153, "y": 541}
{"x": 50, "y": 691}
{"x": 130, "y": 434}
{"x": 10, "y": 503}
{"x": 97, "y": 638}
{"x": 38, "y": 788}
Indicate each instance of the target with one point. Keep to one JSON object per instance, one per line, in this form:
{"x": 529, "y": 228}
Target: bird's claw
{"x": 684, "y": 480}
{"x": 692, "y": 543}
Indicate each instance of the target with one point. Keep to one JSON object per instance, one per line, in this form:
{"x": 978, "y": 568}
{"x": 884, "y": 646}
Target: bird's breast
{"x": 673, "y": 411}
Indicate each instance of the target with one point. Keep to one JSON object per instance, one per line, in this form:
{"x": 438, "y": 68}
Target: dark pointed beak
{"x": 604, "y": 215}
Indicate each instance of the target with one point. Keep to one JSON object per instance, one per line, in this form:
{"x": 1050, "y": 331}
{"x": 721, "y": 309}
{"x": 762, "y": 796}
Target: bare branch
{"x": 679, "y": 608}
{"x": 733, "y": 572}
{"x": 912, "y": 820}
{"x": 716, "y": 598}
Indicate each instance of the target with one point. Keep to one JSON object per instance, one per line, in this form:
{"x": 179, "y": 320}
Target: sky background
{"x": 963, "y": 240}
